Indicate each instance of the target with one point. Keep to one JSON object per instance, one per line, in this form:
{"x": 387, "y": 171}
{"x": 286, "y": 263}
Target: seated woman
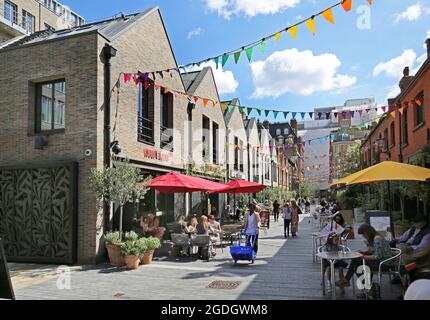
{"x": 333, "y": 245}
{"x": 216, "y": 228}
{"x": 378, "y": 249}
{"x": 180, "y": 226}
{"x": 151, "y": 226}
{"x": 192, "y": 224}
{"x": 338, "y": 218}
{"x": 204, "y": 229}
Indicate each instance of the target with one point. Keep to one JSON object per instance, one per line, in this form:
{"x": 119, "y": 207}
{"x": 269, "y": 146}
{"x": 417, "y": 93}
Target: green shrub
{"x": 152, "y": 243}
{"x": 131, "y": 236}
{"x": 112, "y": 237}
{"x": 142, "y": 245}
{"x": 131, "y": 248}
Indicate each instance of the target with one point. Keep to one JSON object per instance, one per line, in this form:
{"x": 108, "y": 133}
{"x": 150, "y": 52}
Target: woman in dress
{"x": 295, "y": 211}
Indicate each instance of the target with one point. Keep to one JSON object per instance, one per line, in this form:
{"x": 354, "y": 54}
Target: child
{"x": 332, "y": 245}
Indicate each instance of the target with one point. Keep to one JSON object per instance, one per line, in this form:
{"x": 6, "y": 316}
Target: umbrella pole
{"x": 389, "y": 195}
{"x": 234, "y": 204}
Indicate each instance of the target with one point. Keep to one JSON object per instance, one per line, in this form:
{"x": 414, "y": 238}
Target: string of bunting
{"x": 146, "y": 81}
{"x": 261, "y": 44}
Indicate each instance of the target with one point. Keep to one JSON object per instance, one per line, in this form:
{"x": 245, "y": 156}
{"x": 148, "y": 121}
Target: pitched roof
{"x": 192, "y": 80}
{"x": 110, "y": 29}
{"x": 228, "y": 114}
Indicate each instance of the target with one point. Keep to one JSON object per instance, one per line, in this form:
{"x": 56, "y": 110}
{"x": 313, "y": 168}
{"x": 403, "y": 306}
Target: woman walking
{"x": 295, "y": 211}
{"x": 251, "y": 226}
{"x": 286, "y": 215}
{"x": 276, "y": 210}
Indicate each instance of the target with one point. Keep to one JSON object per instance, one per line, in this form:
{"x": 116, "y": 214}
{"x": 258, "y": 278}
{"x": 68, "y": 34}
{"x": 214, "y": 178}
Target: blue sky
{"x": 341, "y": 62}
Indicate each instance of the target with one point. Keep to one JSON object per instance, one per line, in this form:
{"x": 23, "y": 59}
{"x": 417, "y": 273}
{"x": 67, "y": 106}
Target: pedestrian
{"x": 276, "y": 210}
{"x": 286, "y": 215}
{"x": 295, "y": 211}
{"x": 307, "y": 205}
{"x": 251, "y": 225}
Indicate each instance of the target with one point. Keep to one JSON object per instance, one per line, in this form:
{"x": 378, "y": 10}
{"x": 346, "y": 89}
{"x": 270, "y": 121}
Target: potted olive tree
{"x": 150, "y": 245}
{"x": 120, "y": 184}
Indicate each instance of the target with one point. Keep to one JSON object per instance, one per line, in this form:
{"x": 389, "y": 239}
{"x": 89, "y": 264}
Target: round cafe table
{"x": 332, "y": 257}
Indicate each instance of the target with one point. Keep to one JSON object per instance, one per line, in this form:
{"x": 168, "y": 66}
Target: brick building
{"x": 404, "y": 129}
{"x": 22, "y": 17}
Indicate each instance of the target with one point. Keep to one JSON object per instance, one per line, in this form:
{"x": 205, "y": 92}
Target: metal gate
{"x": 38, "y": 212}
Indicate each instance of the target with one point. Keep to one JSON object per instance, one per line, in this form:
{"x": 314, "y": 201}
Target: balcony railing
{"x": 145, "y": 130}
{"x": 166, "y": 138}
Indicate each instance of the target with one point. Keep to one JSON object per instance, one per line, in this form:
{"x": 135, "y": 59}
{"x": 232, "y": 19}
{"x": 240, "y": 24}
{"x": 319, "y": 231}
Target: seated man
{"x": 415, "y": 245}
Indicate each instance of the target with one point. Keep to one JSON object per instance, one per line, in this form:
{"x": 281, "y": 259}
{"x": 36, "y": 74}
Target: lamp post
{"x": 379, "y": 143}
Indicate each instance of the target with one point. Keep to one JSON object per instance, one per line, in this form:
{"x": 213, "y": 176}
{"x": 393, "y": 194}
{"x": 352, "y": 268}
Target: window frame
{"x": 24, "y": 21}
{"x": 14, "y": 17}
{"x": 405, "y": 132}
{"x": 38, "y": 109}
{"x": 419, "y": 110}
{"x": 392, "y": 134}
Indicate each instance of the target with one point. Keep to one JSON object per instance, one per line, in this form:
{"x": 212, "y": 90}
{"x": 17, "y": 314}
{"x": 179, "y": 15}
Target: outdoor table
{"x": 332, "y": 257}
{"x": 316, "y": 242}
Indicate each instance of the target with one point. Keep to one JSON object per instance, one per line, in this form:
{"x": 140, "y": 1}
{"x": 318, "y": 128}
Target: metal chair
{"x": 396, "y": 253}
{"x": 202, "y": 242}
{"x": 181, "y": 240}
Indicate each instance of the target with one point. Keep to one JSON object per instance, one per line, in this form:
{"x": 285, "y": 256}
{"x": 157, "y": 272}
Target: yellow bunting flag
{"x": 347, "y": 5}
{"x": 377, "y": 120}
{"x": 393, "y": 114}
{"x": 223, "y": 106}
{"x": 205, "y": 102}
{"x": 328, "y": 15}
{"x": 311, "y": 25}
{"x": 293, "y": 31}
{"x": 277, "y": 36}
{"x": 401, "y": 110}
{"x": 213, "y": 103}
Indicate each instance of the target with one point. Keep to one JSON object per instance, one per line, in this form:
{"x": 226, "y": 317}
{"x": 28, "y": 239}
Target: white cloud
{"x": 298, "y": 72}
{"x": 196, "y": 32}
{"x": 394, "y": 67}
{"x": 225, "y": 81}
{"x": 393, "y": 92}
{"x": 412, "y": 13}
{"x": 249, "y": 8}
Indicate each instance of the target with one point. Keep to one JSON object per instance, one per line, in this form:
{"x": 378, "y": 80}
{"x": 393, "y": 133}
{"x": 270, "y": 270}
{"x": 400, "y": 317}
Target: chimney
{"x": 266, "y": 124}
{"x": 406, "y": 80}
{"x": 428, "y": 47}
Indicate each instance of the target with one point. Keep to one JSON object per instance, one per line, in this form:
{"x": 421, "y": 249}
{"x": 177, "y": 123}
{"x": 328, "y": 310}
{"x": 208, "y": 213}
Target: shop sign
{"x": 156, "y": 155}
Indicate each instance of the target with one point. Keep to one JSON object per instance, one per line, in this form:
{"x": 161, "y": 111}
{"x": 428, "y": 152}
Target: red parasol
{"x": 174, "y": 182}
{"x": 241, "y": 186}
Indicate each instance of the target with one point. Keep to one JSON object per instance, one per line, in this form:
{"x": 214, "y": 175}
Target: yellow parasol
{"x": 385, "y": 171}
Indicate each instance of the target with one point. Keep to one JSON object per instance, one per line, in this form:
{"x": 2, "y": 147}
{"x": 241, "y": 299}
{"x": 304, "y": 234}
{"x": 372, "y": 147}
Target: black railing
{"x": 145, "y": 130}
{"x": 166, "y": 138}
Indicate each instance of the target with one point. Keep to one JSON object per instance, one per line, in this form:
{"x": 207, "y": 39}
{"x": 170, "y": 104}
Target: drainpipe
{"x": 108, "y": 52}
{"x": 190, "y": 109}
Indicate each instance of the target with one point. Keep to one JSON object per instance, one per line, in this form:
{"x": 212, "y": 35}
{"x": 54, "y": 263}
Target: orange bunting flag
{"x": 311, "y": 25}
{"x": 196, "y": 99}
{"x": 401, "y": 110}
{"x": 293, "y": 31}
{"x": 166, "y": 90}
{"x": 205, "y": 102}
{"x": 347, "y": 5}
{"x": 277, "y": 36}
{"x": 418, "y": 102}
{"x": 328, "y": 15}
{"x": 393, "y": 114}
{"x": 370, "y": 1}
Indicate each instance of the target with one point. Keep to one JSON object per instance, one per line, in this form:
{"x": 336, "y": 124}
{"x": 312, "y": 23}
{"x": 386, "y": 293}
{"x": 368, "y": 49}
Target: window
{"x": 215, "y": 128}
{"x": 166, "y": 120}
{"x": 392, "y": 134}
{"x": 11, "y": 12}
{"x": 385, "y": 139}
{"x": 286, "y": 131}
{"x": 240, "y": 155}
{"x": 27, "y": 22}
{"x": 50, "y": 106}
{"x": 205, "y": 139}
{"x": 145, "y": 119}
{"x": 405, "y": 127}
{"x": 278, "y": 132}
{"x": 236, "y": 153}
{"x": 419, "y": 109}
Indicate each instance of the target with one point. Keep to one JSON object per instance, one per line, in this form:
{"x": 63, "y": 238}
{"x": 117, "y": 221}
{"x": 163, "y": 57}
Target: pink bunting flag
{"x": 360, "y": 112}
{"x": 157, "y": 86}
{"x": 127, "y": 77}
{"x": 383, "y": 108}
{"x": 136, "y": 79}
{"x": 367, "y": 110}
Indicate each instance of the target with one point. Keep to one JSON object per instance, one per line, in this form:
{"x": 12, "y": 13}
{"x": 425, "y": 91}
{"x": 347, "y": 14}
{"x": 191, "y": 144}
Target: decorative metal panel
{"x": 38, "y": 212}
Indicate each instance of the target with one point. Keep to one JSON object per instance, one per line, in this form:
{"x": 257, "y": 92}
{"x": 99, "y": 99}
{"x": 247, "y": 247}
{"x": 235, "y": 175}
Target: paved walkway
{"x": 283, "y": 270}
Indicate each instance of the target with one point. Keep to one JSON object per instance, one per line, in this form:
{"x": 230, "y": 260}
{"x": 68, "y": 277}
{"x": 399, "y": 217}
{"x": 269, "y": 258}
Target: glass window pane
{"x": 59, "y": 115}
{"x": 46, "y": 113}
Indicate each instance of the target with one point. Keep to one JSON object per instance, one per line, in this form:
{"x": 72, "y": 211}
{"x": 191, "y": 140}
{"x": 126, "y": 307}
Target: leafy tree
{"x": 120, "y": 184}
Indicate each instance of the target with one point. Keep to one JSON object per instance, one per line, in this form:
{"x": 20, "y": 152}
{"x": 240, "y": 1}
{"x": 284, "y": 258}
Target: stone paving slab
{"x": 283, "y": 270}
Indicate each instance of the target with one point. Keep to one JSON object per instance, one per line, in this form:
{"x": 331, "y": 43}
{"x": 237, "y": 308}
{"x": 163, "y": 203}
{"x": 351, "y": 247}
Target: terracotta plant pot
{"x": 115, "y": 257}
{"x": 132, "y": 262}
{"x": 147, "y": 257}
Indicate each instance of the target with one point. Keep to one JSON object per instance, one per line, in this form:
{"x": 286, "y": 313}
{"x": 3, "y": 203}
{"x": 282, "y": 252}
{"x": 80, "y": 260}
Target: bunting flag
{"x": 262, "y": 46}
{"x": 236, "y": 56}
{"x": 249, "y": 110}
{"x": 293, "y": 31}
{"x": 347, "y": 5}
{"x": 393, "y": 114}
{"x": 205, "y": 101}
{"x": 195, "y": 98}
{"x": 249, "y": 53}
{"x": 277, "y": 36}
{"x": 328, "y": 15}
{"x": 311, "y": 25}
{"x": 224, "y": 59}
{"x": 286, "y": 114}
{"x": 216, "y": 60}
{"x": 303, "y": 114}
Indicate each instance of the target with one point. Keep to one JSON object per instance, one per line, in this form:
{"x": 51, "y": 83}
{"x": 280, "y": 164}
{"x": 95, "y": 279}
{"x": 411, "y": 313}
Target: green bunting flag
{"x": 275, "y": 113}
{"x": 249, "y": 111}
{"x": 230, "y": 107}
{"x": 286, "y": 114}
{"x": 236, "y": 56}
{"x": 240, "y": 109}
{"x": 259, "y": 111}
{"x": 216, "y": 59}
{"x": 262, "y": 46}
{"x": 224, "y": 59}
{"x": 266, "y": 112}
{"x": 249, "y": 53}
